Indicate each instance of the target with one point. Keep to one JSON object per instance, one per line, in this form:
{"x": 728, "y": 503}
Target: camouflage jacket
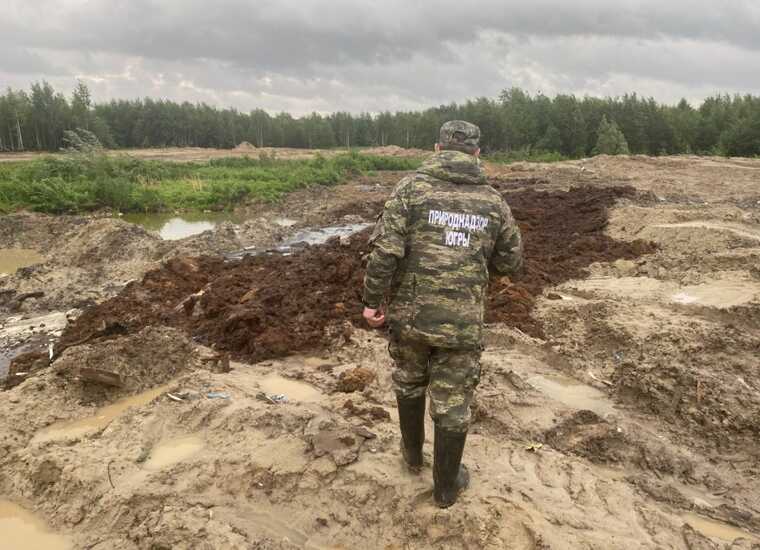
{"x": 441, "y": 231}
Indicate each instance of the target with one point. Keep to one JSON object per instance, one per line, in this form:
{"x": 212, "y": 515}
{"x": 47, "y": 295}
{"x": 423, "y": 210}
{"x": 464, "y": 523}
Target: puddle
{"x": 17, "y": 327}
{"x": 22, "y": 530}
{"x": 24, "y": 335}
{"x": 173, "y": 451}
{"x": 572, "y": 393}
{"x": 8, "y": 355}
{"x": 78, "y": 428}
{"x": 717, "y": 529}
{"x": 172, "y": 227}
{"x": 737, "y": 229}
{"x": 12, "y": 259}
{"x": 310, "y": 237}
{"x": 292, "y": 389}
{"x": 718, "y": 294}
{"x": 322, "y": 235}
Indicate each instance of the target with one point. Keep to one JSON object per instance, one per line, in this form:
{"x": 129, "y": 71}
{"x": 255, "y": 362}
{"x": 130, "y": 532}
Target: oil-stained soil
{"x": 271, "y": 305}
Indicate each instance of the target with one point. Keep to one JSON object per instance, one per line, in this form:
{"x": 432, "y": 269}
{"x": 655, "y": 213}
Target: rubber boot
{"x": 411, "y": 415}
{"x": 450, "y": 476}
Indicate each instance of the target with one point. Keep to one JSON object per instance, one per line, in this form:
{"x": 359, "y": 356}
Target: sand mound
{"x": 395, "y": 151}
{"x": 89, "y": 260}
{"x": 245, "y": 146}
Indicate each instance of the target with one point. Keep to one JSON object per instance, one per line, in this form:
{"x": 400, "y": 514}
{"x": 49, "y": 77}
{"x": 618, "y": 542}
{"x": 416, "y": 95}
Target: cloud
{"x": 304, "y": 55}
{"x": 23, "y": 61}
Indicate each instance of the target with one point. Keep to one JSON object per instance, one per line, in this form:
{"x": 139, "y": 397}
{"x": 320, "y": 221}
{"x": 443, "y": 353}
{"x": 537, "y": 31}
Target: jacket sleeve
{"x": 507, "y": 257}
{"x": 388, "y": 246}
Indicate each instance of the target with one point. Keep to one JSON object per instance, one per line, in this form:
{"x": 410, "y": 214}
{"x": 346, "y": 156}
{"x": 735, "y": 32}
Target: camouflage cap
{"x": 459, "y": 134}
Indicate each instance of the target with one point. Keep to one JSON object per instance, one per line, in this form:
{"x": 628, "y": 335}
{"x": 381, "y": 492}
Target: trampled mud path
{"x": 622, "y": 413}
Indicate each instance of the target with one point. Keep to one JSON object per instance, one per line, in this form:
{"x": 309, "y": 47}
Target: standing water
{"x": 12, "y": 259}
{"x": 82, "y": 427}
{"x": 172, "y": 227}
{"x": 172, "y": 451}
{"x": 22, "y": 530}
{"x": 308, "y": 237}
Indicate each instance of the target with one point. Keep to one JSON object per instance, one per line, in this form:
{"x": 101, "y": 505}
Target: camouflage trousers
{"x": 449, "y": 376}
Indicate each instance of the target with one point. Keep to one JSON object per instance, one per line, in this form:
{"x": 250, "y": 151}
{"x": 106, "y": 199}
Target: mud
{"x": 23, "y": 530}
{"x": 626, "y": 419}
{"x": 272, "y": 305}
{"x": 564, "y": 233}
{"x": 141, "y": 360}
{"x": 12, "y": 259}
{"x": 73, "y": 430}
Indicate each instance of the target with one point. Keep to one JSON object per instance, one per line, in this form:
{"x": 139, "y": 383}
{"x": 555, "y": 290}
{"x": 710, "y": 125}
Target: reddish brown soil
{"x": 273, "y": 305}
{"x": 563, "y": 233}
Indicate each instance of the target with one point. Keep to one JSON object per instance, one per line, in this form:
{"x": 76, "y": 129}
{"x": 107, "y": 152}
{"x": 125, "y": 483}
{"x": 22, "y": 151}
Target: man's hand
{"x": 374, "y": 317}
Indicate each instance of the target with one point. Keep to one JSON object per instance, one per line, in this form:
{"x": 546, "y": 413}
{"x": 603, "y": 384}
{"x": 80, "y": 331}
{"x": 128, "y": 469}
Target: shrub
{"x": 611, "y": 140}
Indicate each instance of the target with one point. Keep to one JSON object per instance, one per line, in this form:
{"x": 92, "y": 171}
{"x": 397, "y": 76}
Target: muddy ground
{"x": 618, "y": 408}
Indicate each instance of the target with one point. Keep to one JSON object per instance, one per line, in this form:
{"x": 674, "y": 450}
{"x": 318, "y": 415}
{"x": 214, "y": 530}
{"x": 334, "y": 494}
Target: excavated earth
{"x": 194, "y": 401}
{"x": 271, "y": 305}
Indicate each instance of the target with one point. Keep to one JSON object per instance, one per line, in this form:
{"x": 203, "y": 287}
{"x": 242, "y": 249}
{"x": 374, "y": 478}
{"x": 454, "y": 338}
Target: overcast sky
{"x": 371, "y": 55}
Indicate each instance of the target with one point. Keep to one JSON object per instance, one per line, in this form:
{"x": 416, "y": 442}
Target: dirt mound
{"x": 89, "y": 259}
{"x": 148, "y": 358}
{"x": 395, "y": 151}
{"x": 273, "y": 305}
{"x": 260, "y": 307}
{"x": 245, "y": 146}
{"x": 36, "y": 231}
{"x": 587, "y": 434}
{"x": 355, "y": 380}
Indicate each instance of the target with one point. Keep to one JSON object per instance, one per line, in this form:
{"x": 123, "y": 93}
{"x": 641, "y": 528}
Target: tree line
{"x": 514, "y": 121}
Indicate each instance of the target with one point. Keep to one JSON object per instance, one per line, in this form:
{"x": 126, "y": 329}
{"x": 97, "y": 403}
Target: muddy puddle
{"x": 22, "y": 530}
{"x": 308, "y": 237}
{"x": 12, "y": 259}
{"x": 740, "y": 230}
{"x": 173, "y": 451}
{"x": 79, "y": 428}
{"x": 717, "y": 529}
{"x": 572, "y": 393}
{"x": 172, "y": 227}
{"x": 19, "y": 335}
{"x": 322, "y": 235}
{"x": 8, "y": 355}
{"x": 274, "y": 384}
{"x": 718, "y": 294}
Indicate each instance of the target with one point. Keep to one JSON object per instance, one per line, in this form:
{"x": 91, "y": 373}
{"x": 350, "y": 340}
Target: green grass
{"x": 77, "y": 182}
{"x": 523, "y": 155}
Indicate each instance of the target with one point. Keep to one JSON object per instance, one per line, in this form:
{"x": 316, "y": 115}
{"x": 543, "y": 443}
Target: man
{"x": 441, "y": 233}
